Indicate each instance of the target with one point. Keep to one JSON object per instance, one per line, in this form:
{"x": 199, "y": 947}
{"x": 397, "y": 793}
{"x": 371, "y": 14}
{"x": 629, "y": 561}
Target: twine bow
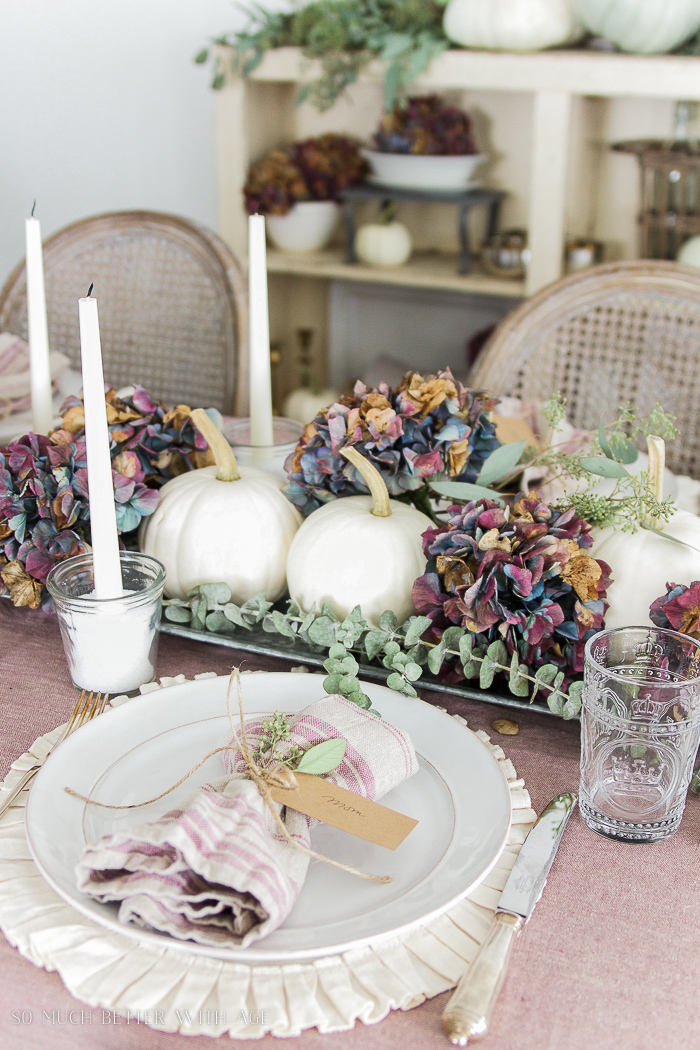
{"x": 264, "y": 778}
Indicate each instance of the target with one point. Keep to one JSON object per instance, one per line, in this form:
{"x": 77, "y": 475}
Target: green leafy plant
{"x": 317, "y": 760}
{"x": 400, "y": 648}
{"x": 610, "y": 450}
{"x": 345, "y": 35}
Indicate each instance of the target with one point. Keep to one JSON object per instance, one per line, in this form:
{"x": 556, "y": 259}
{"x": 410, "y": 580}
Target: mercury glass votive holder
{"x": 270, "y": 458}
{"x": 110, "y": 644}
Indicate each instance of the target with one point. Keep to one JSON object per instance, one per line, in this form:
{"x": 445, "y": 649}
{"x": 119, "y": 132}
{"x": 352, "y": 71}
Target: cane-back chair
{"x": 618, "y": 332}
{"x": 172, "y": 305}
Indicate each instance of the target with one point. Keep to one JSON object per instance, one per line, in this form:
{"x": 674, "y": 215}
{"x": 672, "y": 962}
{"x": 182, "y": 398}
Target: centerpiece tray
{"x": 459, "y": 796}
{"x": 257, "y": 640}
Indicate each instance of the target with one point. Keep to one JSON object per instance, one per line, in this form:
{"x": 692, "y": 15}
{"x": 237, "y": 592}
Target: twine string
{"x": 264, "y": 778}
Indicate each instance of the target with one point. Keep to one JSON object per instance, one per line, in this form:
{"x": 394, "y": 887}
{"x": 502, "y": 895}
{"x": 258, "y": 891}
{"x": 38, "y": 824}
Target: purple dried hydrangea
{"x": 44, "y": 509}
{"x": 678, "y": 609}
{"x": 426, "y": 125}
{"x": 520, "y": 575}
{"x": 428, "y": 427}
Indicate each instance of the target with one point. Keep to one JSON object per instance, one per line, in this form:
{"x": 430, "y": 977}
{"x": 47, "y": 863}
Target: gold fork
{"x": 89, "y": 705}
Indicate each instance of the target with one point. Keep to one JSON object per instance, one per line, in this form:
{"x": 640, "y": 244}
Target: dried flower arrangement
{"x": 345, "y": 35}
{"x": 426, "y": 125}
{"x": 315, "y": 169}
{"x": 427, "y": 427}
{"x": 44, "y": 511}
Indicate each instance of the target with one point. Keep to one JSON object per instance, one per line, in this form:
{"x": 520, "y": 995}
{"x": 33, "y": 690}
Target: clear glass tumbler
{"x": 270, "y": 458}
{"x": 640, "y": 728}
{"x": 110, "y": 643}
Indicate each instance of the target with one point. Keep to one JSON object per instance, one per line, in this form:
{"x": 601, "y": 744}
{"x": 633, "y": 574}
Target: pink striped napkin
{"x": 219, "y": 871}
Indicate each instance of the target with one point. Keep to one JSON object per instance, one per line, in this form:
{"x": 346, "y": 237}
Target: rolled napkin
{"x": 15, "y": 381}
{"x": 219, "y": 871}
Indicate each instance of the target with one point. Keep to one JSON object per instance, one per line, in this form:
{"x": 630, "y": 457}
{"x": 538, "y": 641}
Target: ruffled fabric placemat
{"x": 173, "y": 991}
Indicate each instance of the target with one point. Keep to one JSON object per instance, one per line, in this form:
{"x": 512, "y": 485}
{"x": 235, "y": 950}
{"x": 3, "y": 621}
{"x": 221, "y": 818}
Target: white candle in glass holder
{"x": 103, "y": 520}
{"x": 39, "y": 365}
{"x": 260, "y": 385}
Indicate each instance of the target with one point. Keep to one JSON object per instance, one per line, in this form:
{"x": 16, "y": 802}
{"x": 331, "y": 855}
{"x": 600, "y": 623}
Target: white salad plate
{"x": 459, "y": 796}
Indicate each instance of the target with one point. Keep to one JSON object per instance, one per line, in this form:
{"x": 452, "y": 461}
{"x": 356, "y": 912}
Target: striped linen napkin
{"x": 219, "y": 871}
{"x": 15, "y": 381}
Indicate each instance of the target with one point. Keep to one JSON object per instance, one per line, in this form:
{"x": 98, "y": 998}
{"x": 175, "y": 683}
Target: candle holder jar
{"x": 270, "y": 458}
{"x": 110, "y": 643}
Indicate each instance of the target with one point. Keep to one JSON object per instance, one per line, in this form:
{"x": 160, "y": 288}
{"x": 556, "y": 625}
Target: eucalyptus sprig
{"x": 318, "y": 759}
{"x": 611, "y": 448}
{"x": 400, "y": 648}
{"x": 345, "y": 35}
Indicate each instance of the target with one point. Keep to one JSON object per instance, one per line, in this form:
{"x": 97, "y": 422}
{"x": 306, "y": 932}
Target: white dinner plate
{"x": 459, "y": 796}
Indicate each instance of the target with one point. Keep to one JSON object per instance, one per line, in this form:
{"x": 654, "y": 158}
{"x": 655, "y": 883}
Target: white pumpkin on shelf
{"x": 359, "y": 550}
{"x": 305, "y": 403}
{"x": 643, "y": 562}
{"x": 225, "y": 523}
{"x": 644, "y": 27}
{"x": 511, "y": 25}
{"x": 385, "y": 243}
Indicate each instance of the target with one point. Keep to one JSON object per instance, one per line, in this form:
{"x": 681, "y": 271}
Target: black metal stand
{"x": 465, "y": 199}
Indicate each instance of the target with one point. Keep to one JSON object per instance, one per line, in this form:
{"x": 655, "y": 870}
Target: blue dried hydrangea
{"x": 44, "y": 509}
{"x": 427, "y": 428}
{"x": 523, "y": 576}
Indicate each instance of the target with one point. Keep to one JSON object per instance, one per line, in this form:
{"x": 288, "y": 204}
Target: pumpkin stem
{"x": 655, "y": 477}
{"x": 221, "y": 450}
{"x": 372, "y": 479}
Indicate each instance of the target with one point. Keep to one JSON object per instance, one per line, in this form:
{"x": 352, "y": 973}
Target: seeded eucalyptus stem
{"x": 400, "y": 648}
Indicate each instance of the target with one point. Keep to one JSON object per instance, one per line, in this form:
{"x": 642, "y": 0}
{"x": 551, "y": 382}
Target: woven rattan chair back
{"x": 172, "y": 302}
{"x": 618, "y": 332}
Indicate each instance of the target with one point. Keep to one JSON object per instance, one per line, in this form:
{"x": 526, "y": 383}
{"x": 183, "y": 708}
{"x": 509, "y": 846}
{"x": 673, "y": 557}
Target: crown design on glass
{"x": 645, "y": 707}
{"x": 647, "y": 650}
{"x": 631, "y": 773}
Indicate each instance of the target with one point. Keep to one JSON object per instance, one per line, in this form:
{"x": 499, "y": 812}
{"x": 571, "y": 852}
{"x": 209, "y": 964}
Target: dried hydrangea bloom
{"x": 428, "y": 427}
{"x": 523, "y": 576}
{"x": 678, "y": 609}
{"x": 426, "y": 125}
{"x": 44, "y": 509}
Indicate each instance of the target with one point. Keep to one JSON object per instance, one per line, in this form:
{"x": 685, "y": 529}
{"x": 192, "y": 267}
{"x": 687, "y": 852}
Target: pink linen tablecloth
{"x": 610, "y": 960}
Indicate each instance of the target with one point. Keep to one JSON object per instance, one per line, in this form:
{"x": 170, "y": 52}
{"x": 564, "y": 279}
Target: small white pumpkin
{"x": 689, "y": 254}
{"x": 303, "y": 404}
{"x": 222, "y": 524}
{"x": 644, "y": 27}
{"x": 386, "y": 244}
{"x": 511, "y": 25}
{"x": 643, "y": 562}
{"x": 360, "y": 550}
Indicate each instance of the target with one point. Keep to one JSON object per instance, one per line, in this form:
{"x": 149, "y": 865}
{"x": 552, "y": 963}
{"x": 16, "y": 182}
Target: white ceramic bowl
{"x": 307, "y": 227}
{"x": 413, "y": 171}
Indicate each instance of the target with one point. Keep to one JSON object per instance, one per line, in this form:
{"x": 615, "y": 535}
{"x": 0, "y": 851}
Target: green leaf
{"x": 217, "y": 622}
{"x": 638, "y": 750}
{"x": 465, "y": 491}
{"x": 501, "y": 462}
{"x": 668, "y": 536}
{"x": 452, "y": 637}
{"x": 418, "y": 625}
{"x": 323, "y": 757}
{"x": 436, "y": 657}
{"x": 328, "y": 613}
{"x": 555, "y": 703}
{"x": 282, "y": 625}
{"x": 623, "y": 450}
{"x": 470, "y": 666}
{"x": 332, "y": 683}
{"x": 392, "y": 79}
{"x": 498, "y": 652}
{"x": 418, "y": 654}
{"x": 396, "y": 44}
{"x": 388, "y": 621}
{"x": 544, "y": 675}
{"x": 307, "y": 621}
{"x": 178, "y": 613}
{"x": 233, "y": 613}
{"x": 218, "y": 82}
{"x": 571, "y": 707}
{"x": 373, "y": 712}
{"x": 215, "y": 593}
{"x": 322, "y": 631}
{"x": 518, "y": 685}
{"x": 337, "y": 652}
{"x": 412, "y": 671}
{"x": 199, "y": 613}
{"x": 374, "y": 640}
{"x": 486, "y": 673}
{"x": 606, "y": 468}
{"x": 603, "y": 442}
{"x": 201, "y": 56}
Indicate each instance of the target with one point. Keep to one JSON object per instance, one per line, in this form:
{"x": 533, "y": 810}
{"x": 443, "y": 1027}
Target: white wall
{"x": 102, "y": 108}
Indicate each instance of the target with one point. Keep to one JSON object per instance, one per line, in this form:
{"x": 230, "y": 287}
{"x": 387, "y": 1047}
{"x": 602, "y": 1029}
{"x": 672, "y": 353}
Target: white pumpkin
{"x": 385, "y": 244}
{"x": 644, "y": 27}
{"x": 511, "y": 25}
{"x": 222, "y": 524}
{"x": 303, "y": 404}
{"x": 360, "y": 550}
{"x": 689, "y": 254}
{"x": 643, "y": 562}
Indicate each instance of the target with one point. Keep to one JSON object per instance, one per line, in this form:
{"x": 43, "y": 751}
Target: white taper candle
{"x": 40, "y": 368}
{"x": 103, "y": 521}
{"x": 261, "y": 431}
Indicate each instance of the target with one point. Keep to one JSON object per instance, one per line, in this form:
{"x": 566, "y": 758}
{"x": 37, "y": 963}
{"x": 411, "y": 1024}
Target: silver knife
{"x": 467, "y": 1014}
